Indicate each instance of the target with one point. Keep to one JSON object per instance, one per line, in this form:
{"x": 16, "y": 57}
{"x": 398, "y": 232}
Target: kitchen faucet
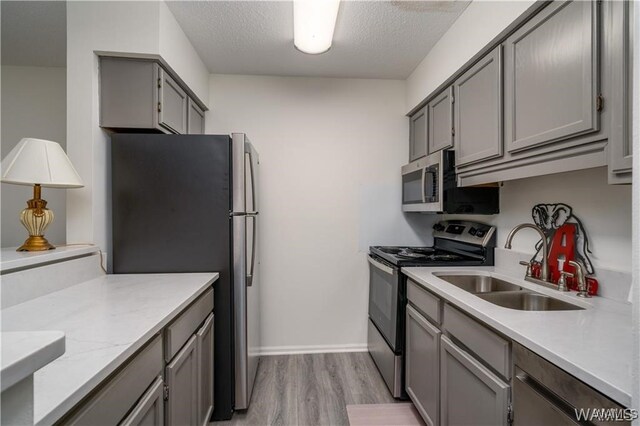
{"x": 544, "y": 273}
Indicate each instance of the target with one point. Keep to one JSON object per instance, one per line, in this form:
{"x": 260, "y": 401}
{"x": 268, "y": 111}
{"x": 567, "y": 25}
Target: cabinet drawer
{"x": 487, "y": 345}
{"x": 177, "y": 334}
{"x": 427, "y": 303}
{"x": 114, "y": 399}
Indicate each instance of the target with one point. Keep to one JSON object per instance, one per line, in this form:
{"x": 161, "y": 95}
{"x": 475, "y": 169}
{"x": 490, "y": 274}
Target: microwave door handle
{"x": 424, "y": 184}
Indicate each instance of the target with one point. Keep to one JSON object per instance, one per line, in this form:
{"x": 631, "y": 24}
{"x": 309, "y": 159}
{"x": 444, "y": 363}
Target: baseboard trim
{"x": 311, "y": 349}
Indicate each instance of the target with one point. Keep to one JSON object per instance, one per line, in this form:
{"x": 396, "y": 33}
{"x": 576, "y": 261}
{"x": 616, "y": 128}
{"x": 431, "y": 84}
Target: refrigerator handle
{"x": 254, "y": 206}
{"x": 254, "y": 218}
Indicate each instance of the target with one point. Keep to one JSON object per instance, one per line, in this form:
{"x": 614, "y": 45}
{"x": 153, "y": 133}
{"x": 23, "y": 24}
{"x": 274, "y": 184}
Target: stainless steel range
{"x": 456, "y": 243}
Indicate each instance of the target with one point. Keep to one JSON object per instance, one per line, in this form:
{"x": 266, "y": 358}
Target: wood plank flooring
{"x": 312, "y": 389}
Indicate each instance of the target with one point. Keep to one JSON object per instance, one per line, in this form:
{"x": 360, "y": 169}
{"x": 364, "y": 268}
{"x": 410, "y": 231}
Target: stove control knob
{"x": 480, "y": 233}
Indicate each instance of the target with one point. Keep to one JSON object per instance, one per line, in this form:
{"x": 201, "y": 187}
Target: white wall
{"x": 33, "y": 105}
{"x": 137, "y": 27}
{"x": 474, "y": 29}
{"x": 330, "y": 154}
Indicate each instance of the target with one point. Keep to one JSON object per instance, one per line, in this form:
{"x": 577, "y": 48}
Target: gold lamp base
{"x": 36, "y": 218}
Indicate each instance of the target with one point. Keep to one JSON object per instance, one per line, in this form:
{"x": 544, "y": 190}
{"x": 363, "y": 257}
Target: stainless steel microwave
{"x": 429, "y": 185}
{"x": 422, "y": 184}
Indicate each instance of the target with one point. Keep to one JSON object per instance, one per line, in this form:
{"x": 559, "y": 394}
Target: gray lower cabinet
{"x": 140, "y": 94}
{"x": 181, "y": 375}
{"x": 150, "y": 409}
{"x": 195, "y": 119}
{"x": 478, "y": 111}
{"x": 422, "y": 370}
{"x": 470, "y": 394}
{"x": 205, "y": 338}
{"x": 418, "y": 133}
{"x": 552, "y": 75}
{"x": 440, "y": 111}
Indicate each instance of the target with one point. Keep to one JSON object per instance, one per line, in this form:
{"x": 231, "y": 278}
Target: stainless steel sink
{"x": 527, "y": 301}
{"x": 478, "y": 283}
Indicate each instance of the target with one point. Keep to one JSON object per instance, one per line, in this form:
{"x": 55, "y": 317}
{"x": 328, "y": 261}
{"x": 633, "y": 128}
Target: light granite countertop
{"x": 593, "y": 344}
{"x": 105, "y": 321}
{"x": 25, "y": 352}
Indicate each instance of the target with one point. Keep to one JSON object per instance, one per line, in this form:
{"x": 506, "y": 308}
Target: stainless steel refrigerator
{"x": 188, "y": 203}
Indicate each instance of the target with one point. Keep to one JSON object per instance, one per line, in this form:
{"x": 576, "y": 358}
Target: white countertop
{"x": 105, "y": 321}
{"x": 24, "y": 352}
{"x": 11, "y": 259}
{"x": 593, "y": 345}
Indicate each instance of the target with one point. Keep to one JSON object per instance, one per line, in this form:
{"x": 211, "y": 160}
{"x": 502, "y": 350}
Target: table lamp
{"x": 38, "y": 162}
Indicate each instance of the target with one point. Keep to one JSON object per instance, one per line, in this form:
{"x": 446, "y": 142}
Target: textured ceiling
{"x": 373, "y": 39}
{"x": 34, "y": 33}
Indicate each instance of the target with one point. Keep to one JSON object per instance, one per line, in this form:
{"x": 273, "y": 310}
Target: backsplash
{"x": 604, "y": 210}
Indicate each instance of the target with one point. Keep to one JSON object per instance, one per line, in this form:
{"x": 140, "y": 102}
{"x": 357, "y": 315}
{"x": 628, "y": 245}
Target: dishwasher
{"x": 544, "y": 394}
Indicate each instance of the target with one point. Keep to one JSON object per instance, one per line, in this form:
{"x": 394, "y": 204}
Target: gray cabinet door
{"x": 172, "y": 104}
{"x": 128, "y": 93}
{"x": 418, "y": 135}
{"x": 182, "y": 379}
{"x": 478, "y": 110}
{"x": 195, "y": 119}
{"x": 470, "y": 394}
{"x": 422, "y": 374}
{"x": 551, "y": 76}
{"x": 440, "y": 111}
{"x": 150, "y": 409}
{"x": 619, "y": 36}
{"x": 205, "y": 370}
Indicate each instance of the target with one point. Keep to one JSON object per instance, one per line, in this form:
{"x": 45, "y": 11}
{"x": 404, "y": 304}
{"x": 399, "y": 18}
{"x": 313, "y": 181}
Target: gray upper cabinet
{"x": 440, "y": 111}
{"x": 619, "y": 36}
{"x": 141, "y": 94}
{"x": 205, "y": 341}
{"x": 470, "y": 394}
{"x": 418, "y": 135}
{"x": 422, "y": 373}
{"x": 552, "y": 75}
{"x": 172, "y": 104}
{"x": 150, "y": 410}
{"x": 478, "y": 111}
{"x": 182, "y": 379}
{"x": 195, "y": 119}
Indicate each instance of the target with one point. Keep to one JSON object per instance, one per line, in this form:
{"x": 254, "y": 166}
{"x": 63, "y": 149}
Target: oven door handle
{"x": 424, "y": 181}
{"x": 389, "y": 270}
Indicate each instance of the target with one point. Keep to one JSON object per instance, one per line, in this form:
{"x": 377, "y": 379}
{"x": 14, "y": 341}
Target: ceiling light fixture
{"x": 313, "y": 24}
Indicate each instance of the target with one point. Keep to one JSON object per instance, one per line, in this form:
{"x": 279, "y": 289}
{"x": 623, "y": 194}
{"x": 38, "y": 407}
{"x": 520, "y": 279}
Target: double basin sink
{"x": 506, "y": 294}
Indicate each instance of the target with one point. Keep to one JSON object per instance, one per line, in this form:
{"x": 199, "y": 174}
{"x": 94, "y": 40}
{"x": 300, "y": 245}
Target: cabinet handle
{"x": 159, "y": 107}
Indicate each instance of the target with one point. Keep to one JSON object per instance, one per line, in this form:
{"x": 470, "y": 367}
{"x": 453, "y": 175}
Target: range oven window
{"x": 383, "y": 299}
{"x": 431, "y": 184}
{"x": 412, "y": 187}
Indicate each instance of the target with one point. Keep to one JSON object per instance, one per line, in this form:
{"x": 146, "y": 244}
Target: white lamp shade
{"x": 38, "y": 161}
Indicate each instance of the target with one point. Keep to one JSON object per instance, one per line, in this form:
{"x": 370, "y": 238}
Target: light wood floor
{"x": 312, "y": 389}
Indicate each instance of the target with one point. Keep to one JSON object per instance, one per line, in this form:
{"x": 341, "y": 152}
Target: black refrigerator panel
{"x": 171, "y": 198}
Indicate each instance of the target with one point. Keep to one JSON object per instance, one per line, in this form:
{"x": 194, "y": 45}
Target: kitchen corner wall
{"x": 33, "y": 105}
{"x": 330, "y": 158}
{"x": 132, "y": 27}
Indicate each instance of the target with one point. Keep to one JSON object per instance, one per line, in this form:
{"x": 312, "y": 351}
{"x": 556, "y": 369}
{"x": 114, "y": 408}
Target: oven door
{"x": 422, "y": 184}
{"x": 384, "y": 284}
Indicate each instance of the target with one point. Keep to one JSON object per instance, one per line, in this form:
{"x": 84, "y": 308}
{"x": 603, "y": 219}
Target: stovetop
{"x": 421, "y": 256}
